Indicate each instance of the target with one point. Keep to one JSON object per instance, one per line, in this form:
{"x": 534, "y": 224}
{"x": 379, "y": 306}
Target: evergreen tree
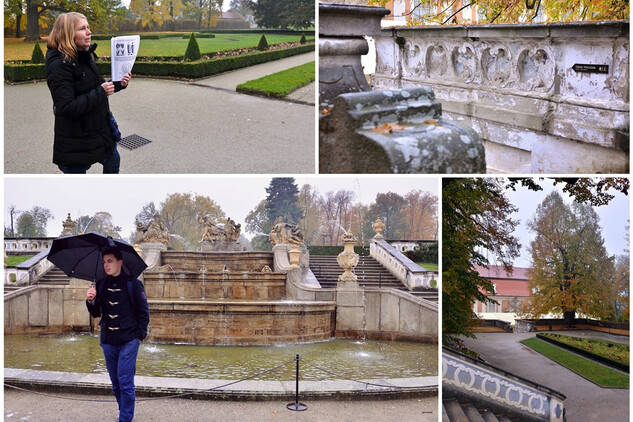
{"x": 263, "y": 43}
{"x": 283, "y": 200}
{"x": 193, "y": 50}
{"x": 37, "y": 56}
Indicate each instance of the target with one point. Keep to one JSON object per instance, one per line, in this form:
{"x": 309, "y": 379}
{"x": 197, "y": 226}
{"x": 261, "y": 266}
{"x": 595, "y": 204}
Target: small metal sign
{"x": 591, "y": 68}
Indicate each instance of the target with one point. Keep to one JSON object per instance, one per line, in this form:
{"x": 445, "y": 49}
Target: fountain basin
{"x": 346, "y": 358}
{"x": 246, "y": 322}
{"x": 252, "y": 261}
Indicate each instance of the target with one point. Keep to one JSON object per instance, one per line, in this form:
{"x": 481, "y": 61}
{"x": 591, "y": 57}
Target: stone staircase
{"x": 429, "y": 294}
{"x": 53, "y": 277}
{"x": 463, "y": 410}
{"x": 370, "y": 273}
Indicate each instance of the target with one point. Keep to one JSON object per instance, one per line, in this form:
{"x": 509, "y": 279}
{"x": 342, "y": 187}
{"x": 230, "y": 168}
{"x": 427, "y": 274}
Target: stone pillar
{"x": 151, "y": 254}
{"x": 350, "y": 297}
{"x": 341, "y": 45}
{"x": 76, "y": 316}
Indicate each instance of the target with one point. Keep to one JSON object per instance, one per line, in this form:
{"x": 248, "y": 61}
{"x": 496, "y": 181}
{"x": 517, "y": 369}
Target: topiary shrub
{"x": 263, "y": 44}
{"x": 37, "y": 56}
{"x": 193, "y": 50}
{"x": 303, "y": 39}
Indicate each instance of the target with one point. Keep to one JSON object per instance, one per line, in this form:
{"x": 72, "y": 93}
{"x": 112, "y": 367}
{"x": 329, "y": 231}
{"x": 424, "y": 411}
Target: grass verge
{"x": 280, "y": 84}
{"x": 594, "y": 372}
{"x": 12, "y": 260}
{"x": 429, "y": 266}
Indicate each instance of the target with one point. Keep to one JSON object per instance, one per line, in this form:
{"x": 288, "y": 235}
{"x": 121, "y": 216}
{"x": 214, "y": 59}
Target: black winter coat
{"x": 81, "y": 109}
{"x": 123, "y": 318}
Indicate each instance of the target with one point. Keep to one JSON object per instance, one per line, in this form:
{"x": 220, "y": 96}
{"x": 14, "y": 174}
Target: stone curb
{"x": 69, "y": 382}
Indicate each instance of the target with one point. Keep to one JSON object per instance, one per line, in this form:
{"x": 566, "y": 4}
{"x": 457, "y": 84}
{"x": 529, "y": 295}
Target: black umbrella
{"x": 81, "y": 256}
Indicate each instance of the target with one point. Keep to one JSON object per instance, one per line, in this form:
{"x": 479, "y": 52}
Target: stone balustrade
{"x": 15, "y": 245}
{"x": 410, "y": 274}
{"x": 521, "y": 88}
{"x": 489, "y": 384}
{"x": 28, "y": 271}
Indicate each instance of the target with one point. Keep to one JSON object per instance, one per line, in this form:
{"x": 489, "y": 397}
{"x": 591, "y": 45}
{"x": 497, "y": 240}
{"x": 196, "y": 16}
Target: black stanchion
{"x": 296, "y": 405}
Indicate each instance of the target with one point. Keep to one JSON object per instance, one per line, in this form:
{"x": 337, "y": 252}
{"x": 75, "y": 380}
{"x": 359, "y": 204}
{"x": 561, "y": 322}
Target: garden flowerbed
{"x": 613, "y": 354}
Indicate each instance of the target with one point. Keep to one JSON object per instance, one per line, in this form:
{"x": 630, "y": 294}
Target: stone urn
{"x": 378, "y": 227}
{"x": 295, "y": 256}
{"x": 348, "y": 259}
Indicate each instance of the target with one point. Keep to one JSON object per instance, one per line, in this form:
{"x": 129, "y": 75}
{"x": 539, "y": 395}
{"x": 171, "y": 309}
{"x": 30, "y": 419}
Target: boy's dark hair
{"x": 117, "y": 253}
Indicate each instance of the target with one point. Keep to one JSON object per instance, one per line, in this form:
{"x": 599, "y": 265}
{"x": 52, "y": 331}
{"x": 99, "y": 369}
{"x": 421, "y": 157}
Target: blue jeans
{"x": 121, "y": 364}
{"x": 110, "y": 165}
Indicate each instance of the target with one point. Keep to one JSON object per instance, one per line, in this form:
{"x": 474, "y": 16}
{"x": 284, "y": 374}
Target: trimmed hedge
{"x": 143, "y": 36}
{"x": 199, "y": 35}
{"x": 258, "y": 31}
{"x": 426, "y": 253}
{"x": 20, "y": 72}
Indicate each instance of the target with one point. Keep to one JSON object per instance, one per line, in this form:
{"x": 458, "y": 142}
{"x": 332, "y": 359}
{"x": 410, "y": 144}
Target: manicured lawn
{"x": 606, "y": 349}
{"x": 15, "y": 260}
{"x": 281, "y": 83}
{"x": 17, "y": 49}
{"x": 594, "y": 372}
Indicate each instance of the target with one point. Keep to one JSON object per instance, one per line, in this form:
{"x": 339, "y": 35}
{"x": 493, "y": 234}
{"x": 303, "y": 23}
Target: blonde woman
{"x": 80, "y": 98}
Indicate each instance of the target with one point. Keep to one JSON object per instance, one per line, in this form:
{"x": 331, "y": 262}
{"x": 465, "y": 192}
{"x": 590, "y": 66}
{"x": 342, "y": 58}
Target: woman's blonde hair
{"x": 62, "y": 36}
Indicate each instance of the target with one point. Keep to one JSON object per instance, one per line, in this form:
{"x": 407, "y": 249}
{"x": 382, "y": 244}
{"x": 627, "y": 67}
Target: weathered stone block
{"x": 399, "y": 131}
{"x": 38, "y": 308}
{"x": 389, "y": 313}
{"x": 372, "y": 313}
{"x": 410, "y": 322}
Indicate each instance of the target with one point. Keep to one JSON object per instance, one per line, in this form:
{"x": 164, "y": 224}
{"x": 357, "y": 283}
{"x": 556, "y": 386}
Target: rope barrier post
{"x": 296, "y": 406}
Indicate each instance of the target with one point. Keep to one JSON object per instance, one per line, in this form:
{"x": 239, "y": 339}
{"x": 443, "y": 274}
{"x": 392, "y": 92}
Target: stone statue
{"x": 212, "y": 232}
{"x": 154, "y": 232}
{"x": 68, "y": 226}
{"x": 232, "y": 230}
{"x": 285, "y": 233}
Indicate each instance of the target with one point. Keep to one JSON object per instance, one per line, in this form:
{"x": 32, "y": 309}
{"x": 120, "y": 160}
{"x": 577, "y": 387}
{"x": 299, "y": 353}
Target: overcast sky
{"x": 613, "y": 218}
{"x": 124, "y": 196}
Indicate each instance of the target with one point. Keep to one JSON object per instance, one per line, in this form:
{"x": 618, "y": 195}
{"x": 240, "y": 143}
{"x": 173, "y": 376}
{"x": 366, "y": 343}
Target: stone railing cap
{"x": 410, "y": 265}
{"x": 447, "y": 352}
{"x": 352, "y": 9}
{"x": 33, "y": 261}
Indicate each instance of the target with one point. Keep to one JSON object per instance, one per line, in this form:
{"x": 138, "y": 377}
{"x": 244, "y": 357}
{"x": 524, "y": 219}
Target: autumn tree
{"x": 336, "y": 209}
{"x": 433, "y": 12}
{"x": 570, "y": 266}
{"x": 308, "y": 203}
{"x": 420, "y": 213}
{"x": 32, "y": 223}
{"x": 99, "y": 222}
{"x": 180, "y": 213}
{"x": 476, "y": 227}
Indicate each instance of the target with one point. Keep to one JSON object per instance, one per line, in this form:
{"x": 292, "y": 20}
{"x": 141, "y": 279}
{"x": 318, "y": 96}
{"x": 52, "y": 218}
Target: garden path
{"x": 585, "y": 401}
{"x": 193, "y": 129}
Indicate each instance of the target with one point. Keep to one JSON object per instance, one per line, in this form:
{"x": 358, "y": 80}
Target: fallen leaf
{"x": 432, "y": 122}
{"x": 388, "y": 128}
{"x": 326, "y": 111}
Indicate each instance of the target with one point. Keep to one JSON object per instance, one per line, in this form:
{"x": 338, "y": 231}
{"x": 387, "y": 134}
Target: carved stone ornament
{"x": 267, "y": 269}
{"x": 154, "y": 232}
{"x": 348, "y": 259}
{"x": 294, "y": 256}
{"x": 285, "y": 233}
{"x": 378, "y": 227}
{"x": 68, "y": 226}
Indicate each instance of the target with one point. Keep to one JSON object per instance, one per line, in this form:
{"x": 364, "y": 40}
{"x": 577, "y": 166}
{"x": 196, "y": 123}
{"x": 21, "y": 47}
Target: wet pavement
{"x": 199, "y": 127}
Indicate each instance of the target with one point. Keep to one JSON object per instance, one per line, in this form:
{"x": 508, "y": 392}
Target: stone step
{"x": 54, "y": 276}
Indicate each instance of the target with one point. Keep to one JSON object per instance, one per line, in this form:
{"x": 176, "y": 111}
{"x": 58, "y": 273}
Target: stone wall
{"x": 517, "y": 87}
{"x": 242, "y": 285}
{"x": 215, "y": 261}
{"x": 46, "y": 309}
{"x": 27, "y": 245}
{"x": 27, "y": 272}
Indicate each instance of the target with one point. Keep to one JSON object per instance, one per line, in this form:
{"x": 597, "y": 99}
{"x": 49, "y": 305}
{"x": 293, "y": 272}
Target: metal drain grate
{"x": 133, "y": 142}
